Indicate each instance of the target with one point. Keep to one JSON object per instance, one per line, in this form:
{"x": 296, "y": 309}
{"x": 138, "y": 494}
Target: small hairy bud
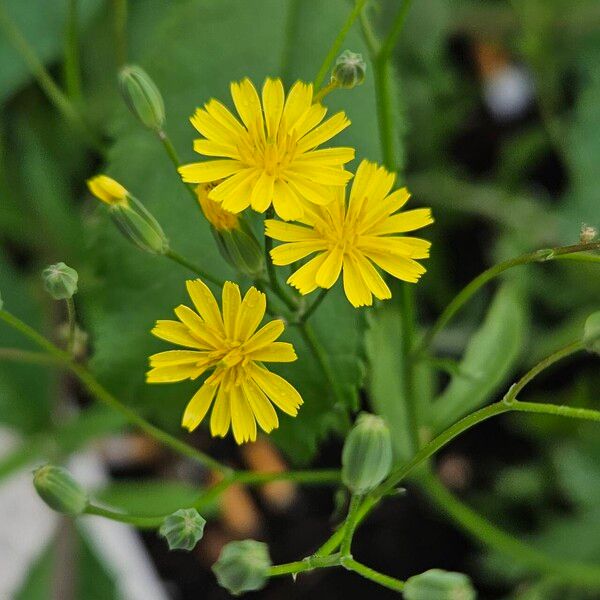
{"x": 587, "y": 234}
{"x": 142, "y": 96}
{"x": 367, "y": 454}
{"x": 60, "y": 281}
{"x": 243, "y": 566}
{"x": 591, "y": 333}
{"x": 349, "y": 70}
{"x": 183, "y": 529}
{"x": 437, "y": 584}
{"x": 57, "y": 488}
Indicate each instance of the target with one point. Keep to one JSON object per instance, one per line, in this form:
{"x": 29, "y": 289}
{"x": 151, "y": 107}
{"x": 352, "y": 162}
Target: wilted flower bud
{"x": 367, "y": 454}
{"x": 60, "y": 281}
{"x": 57, "y": 488}
{"x": 142, "y": 96}
{"x": 133, "y": 219}
{"x": 243, "y": 566}
{"x": 183, "y": 529}
{"x": 437, "y": 584}
{"x": 235, "y": 240}
{"x": 587, "y": 234}
{"x": 349, "y": 70}
{"x": 591, "y": 333}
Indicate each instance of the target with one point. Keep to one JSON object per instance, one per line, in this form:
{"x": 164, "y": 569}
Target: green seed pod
{"x": 349, "y": 70}
{"x": 243, "y": 566}
{"x": 437, "y": 584}
{"x": 57, "y": 488}
{"x": 183, "y": 529}
{"x": 142, "y": 96}
{"x": 367, "y": 454}
{"x": 591, "y": 333}
{"x": 60, "y": 281}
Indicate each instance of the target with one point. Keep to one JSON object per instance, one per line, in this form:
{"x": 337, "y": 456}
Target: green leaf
{"x": 489, "y": 358}
{"x": 135, "y": 289}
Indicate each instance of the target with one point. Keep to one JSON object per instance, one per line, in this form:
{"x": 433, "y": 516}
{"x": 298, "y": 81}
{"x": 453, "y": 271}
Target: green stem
{"x": 291, "y": 32}
{"x": 167, "y": 144}
{"x": 54, "y": 94}
{"x": 391, "y": 39}
{"x": 350, "y": 525}
{"x": 326, "y": 89}
{"x": 106, "y": 398}
{"x": 481, "y": 529}
{"x": 184, "y": 262}
{"x": 337, "y": 43}
{"x": 308, "y": 564}
{"x": 71, "y": 315}
{"x": 120, "y": 31}
{"x": 384, "y": 580}
{"x": 72, "y": 67}
{"x": 313, "y": 307}
{"x": 35, "y": 358}
{"x": 471, "y": 288}
{"x": 136, "y": 521}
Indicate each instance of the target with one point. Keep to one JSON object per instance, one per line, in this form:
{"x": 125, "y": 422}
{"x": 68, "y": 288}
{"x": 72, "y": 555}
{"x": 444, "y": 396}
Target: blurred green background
{"x": 499, "y": 132}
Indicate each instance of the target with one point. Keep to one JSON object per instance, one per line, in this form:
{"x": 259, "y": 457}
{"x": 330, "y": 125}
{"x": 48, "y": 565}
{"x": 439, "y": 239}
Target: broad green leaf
{"x": 135, "y": 289}
{"x": 488, "y": 360}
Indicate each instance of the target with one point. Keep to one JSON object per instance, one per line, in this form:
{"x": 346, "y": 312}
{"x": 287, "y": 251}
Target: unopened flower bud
{"x": 591, "y": 333}
{"x": 183, "y": 529}
{"x": 349, "y": 70}
{"x": 142, "y": 96}
{"x": 243, "y": 566}
{"x": 57, "y": 488}
{"x": 132, "y": 218}
{"x": 367, "y": 454}
{"x": 587, "y": 234}
{"x": 437, "y": 584}
{"x": 235, "y": 240}
{"x": 60, "y": 281}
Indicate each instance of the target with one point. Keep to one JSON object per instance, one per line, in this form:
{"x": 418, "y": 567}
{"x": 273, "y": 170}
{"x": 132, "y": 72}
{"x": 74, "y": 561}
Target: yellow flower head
{"x": 221, "y": 220}
{"x": 270, "y": 157}
{"x": 228, "y": 345}
{"x": 108, "y": 190}
{"x": 350, "y": 238}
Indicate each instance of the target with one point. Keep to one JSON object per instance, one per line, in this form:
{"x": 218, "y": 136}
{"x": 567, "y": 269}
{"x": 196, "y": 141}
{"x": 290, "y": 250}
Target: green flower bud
{"x": 349, "y": 70}
{"x": 243, "y": 566}
{"x": 142, "y": 96}
{"x": 437, "y": 584}
{"x": 591, "y": 333}
{"x": 60, "y": 281}
{"x": 367, "y": 454}
{"x": 183, "y": 529}
{"x": 57, "y": 488}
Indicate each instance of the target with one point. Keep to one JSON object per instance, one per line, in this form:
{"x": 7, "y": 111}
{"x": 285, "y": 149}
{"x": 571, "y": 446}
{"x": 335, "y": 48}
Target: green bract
{"x": 243, "y": 566}
{"x": 142, "y": 96}
{"x": 240, "y": 248}
{"x": 437, "y": 584}
{"x": 591, "y": 333}
{"x": 57, "y": 488}
{"x": 183, "y": 529}
{"x": 60, "y": 281}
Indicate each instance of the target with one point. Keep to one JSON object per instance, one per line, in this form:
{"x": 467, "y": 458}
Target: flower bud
{"x": 142, "y": 96}
{"x": 132, "y": 218}
{"x": 57, "y": 488}
{"x": 349, "y": 70}
{"x": 243, "y": 566}
{"x": 587, "y": 234}
{"x": 367, "y": 454}
{"x": 60, "y": 281}
{"x": 437, "y": 584}
{"x": 183, "y": 529}
{"x": 591, "y": 333}
{"x": 235, "y": 240}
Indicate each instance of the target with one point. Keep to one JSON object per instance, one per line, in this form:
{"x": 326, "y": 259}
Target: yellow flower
{"x": 108, "y": 190}
{"x": 221, "y": 220}
{"x": 350, "y": 238}
{"x": 271, "y": 156}
{"x": 230, "y": 346}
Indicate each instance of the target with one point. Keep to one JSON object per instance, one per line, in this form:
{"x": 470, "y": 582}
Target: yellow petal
{"x": 221, "y": 414}
{"x": 264, "y": 336}
{"x": 309, "y": 120}
{"x": 248, "y": 106}
{"x": 211, "y": 128}
{"x": 272, "y": 99}
{"x": 212, "y": 148}
{"x": 327, "y": 156}
{"x": 209, "y": 171}
{"x": 304, "y": 278}
{"x": 355, "y": 288}
{"x": 242, "y": 418}
{"x": 274, "y": 352}
{"x": 205, "y": 303}
{"x": 231, "y": 301}
{"x": 309, "y": 190}
{"x": 324, "y": 132}
{"x": 278, "y": 390}
{"x": 324, "y": 175}
{"x": 286, "y": 202}
{"x": 173, "y": 373}
{"x": 198, "y": 328}
{"x": 400, "y": 267}
{"x": 329, "y": 271}
{"x": 234, "y": 193}
{"x": 372, "y": 278}
{"x": 404, "y": 221}
{"x": 251, "y": 313}
{"x": 298, "y": 102}
{"x": 286, "y": 232}
{"x": 262, "y": 194}
{"x": 176, "y": 357}
{"x": 289, "y": 253}
{"x": 261, "y": 407}
{"x": 198, "y": 406}
{"x": 177, "y": 333}
{"x": 221, "y": 114}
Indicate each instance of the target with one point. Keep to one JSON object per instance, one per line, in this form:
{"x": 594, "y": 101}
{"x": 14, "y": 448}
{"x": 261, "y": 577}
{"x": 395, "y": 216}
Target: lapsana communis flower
{"x": 271, "y": 156}
{"x": 350, "y": 238}
{"x": 229, "y": 345}
{"x": 108, "y": 190}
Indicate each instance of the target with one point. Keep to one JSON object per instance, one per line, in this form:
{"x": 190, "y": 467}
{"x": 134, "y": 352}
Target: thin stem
{"x": 136, "y": 521}
{"x": 54, "y": 94}
{"x": 481, "y": 529}
{"x": 71, "y": 315}
{"x": 369, "y": 35}
{"x": 350, "y": 526}
{"x": 384, "y": 580}
{"x": 313, "y": 307}
{"x": 337, "y": 43}
{"x": 72, "y": 69}
{"x": 176, "y": 257}
{"x": 120, "y": 31}
{"x": 167, "y": 144}
{"x": 326, "y": 89}
{"x": 391, "y": 39}
{"x": 291, "y": 31}
{"x": 26, "y": 356}
{"x": 308, "y": 564}
{"x": 586, "y": 414}
{"x": 471, "y": 288}
{"x": 105, "y": 397}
